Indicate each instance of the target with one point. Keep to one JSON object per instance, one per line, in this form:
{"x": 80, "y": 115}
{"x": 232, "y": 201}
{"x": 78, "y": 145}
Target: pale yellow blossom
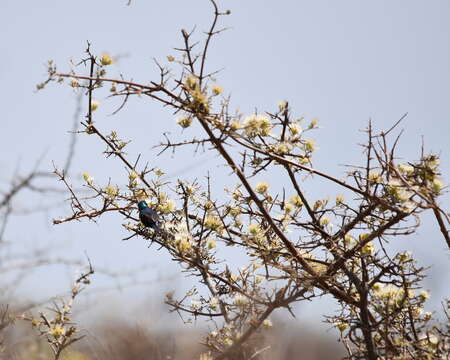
{"x": 363, "y": 237}
{"x": 433, "y": 339}
{"x": 267, "y": 323}
{"x": 200, "y": 100}
{"x": 228, "y": 341}
{"x": 217, "y": 90}
{"x": 106, "y": 60}
{"x": 296, "y": 201}
{"x": 437, "y": 185}
{"x": 184, "y": 121}
{"x": 209, "y": 205}
{"x": 391, "y": 294}
{"x": 235, "y": 125}
{"x": 406, "y": 168}
{"x": 417, "y": 311}
{"x": 282, "y": 105}
{"x": 288, "y": 207}
{"x": 235, "y": 211}
{"x": 403, "y": 195}
{"x": 133, "y": 175}
{"x": 295, "y": 128}
{"x": 318, "y": 267}
{"x": 310, "y": 145}
{"x": 133, "y": 179}
{"x": 404, "y": 256}
{"x": 87, "y": 177}
{"x": 262, "y": 187}
{"x": 111, "y": 190}
{"x": 318, "y": 204}
{"x": 349, "y": 240}
{"x": 257, "y": 125}
{"x": 183, "y": 242}
{"x": 94, "y": 105}
{"x": 342, "y": 326}
{"x": 339, "y": 199}
{"x": 212, "y": 222}
{"x": 211, "y": 244}
{"x": 195, "y": 305}
{"x": 191, "y": 82}
{"x": 432, "y": 162}
{"x": 57, "y": 331}
{"x": 240, "y": 300}
{"x": 368, "y": 249}
{"x": 424, "y": 295}
{"x": 237, "y": 194}
{"x": 214, "y": 303}
{"x": 167, "y": 206}
{"x": 313, "y": 123}
{"x": 397, "y": 190}
{"x": 377, "y": 287}
{"x": 375, "y": 177}
{"x": 254, "y": 229}
{"x": 256, "y": 265}
{"x": 283, "y": 148}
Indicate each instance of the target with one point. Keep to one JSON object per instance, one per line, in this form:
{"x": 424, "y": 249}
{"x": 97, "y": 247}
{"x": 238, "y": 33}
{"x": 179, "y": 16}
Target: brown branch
{"x": 442, "y": 227}
{"x": 290, "y": 247}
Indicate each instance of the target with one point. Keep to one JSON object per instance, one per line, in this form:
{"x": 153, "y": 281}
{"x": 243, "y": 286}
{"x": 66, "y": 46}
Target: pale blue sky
{"x": 343, "y": 61}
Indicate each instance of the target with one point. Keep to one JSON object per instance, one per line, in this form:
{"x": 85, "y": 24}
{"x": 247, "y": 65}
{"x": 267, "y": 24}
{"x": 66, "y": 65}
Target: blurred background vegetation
{"x": 342, "y": 63}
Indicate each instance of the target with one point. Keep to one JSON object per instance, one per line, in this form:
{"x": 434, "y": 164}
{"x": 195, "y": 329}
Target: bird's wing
{"x": 154, "y": 216}
{"x": 149, "y": 217}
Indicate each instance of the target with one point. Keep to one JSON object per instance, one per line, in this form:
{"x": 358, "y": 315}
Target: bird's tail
{"x": 164, "y": 234}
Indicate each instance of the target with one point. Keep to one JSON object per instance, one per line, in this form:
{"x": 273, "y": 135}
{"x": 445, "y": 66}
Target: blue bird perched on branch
{"x": 148, "y": 216}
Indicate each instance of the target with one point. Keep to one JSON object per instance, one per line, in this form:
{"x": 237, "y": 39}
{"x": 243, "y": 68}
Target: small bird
{"x": 148, "y": 216}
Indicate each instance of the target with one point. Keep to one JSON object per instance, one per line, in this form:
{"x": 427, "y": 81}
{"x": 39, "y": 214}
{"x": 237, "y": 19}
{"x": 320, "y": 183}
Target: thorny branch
{"x": 337, "y": 249}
